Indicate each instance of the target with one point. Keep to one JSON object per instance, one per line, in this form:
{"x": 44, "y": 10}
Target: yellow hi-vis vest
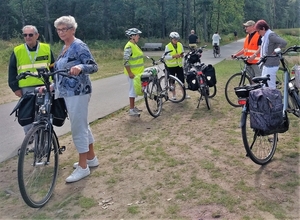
{"x": 175, "y": 61}
{"x": 136, "y": 60}
{"x": 41, "y": 58}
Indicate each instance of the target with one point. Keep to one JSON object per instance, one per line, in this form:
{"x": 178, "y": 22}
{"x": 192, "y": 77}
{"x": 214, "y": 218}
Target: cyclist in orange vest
{"x": 251, "y": 49}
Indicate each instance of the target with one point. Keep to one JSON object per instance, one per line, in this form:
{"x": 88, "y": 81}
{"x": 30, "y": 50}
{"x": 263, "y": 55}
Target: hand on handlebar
{"x": 75, "y": 70}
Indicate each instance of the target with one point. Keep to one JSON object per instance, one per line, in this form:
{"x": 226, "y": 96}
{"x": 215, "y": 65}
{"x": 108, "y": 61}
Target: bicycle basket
{"x": 243, "y": 91}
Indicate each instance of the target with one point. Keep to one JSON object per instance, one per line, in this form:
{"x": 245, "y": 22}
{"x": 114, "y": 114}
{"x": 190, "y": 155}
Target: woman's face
{"x": 261, "y": 32}
{"x": 64, "y": 32}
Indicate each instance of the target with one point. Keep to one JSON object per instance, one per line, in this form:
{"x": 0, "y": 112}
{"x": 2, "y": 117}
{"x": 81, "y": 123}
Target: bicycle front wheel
{"x": 38, "y": 166}
{"x": 153, "y": 98}
{"x": 174, "y": 88}
{"x": 235, "y": 80}
{"x": 260, "y": 148}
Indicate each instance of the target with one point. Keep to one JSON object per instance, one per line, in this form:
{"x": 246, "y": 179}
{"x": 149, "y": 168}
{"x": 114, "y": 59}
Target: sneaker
{"x": 91, "y": 163}
{"x": 173, "y": 98}
{"x": 134, "y": 113}
{"x": 136, "y": 109}
{"x": 78, "y": 174}
{"x": 187, "y": 96}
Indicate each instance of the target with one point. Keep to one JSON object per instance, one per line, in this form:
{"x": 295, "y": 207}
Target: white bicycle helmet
{"x": 132, "y": 31}
{"x": 174, "y": 35}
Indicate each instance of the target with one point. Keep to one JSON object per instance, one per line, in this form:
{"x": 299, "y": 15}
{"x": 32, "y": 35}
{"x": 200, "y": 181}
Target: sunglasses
{"x": 29, "y": 35}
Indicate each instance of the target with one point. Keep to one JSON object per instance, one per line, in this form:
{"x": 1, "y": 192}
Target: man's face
{"x": 30, "y": 37}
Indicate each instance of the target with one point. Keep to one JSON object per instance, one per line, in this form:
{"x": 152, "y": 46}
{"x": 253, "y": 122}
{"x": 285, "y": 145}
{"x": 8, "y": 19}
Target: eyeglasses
{"x": 29, "y": 35}
{"x": 63, "y": 30}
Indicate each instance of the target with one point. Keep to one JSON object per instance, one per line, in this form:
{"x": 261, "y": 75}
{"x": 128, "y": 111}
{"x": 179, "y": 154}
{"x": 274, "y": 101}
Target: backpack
{"x": 25, "y": 109}
{"x": 210, "y": 75}
{"x": 266, "y": 111}
{"x": 191, "y": 80}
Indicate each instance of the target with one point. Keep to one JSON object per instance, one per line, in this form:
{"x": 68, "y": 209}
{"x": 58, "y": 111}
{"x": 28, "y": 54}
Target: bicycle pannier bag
{"x": 25, "y": 109}
{"x": 192, "y": 81}
{"x": 266, "y": 111}
{"x": 210, "y": 75}
{"x": 59, "y": 111}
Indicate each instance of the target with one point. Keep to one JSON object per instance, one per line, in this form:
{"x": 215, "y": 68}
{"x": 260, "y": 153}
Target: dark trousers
{"x": 178, "y": 72}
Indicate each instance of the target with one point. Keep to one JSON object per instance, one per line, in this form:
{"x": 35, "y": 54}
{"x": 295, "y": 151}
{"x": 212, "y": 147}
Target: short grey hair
{"x": 30, "y": 27}
{"x": 69, "y": 21}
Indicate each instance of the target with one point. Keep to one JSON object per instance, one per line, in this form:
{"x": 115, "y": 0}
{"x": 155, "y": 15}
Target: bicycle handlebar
{"x": 154, "y": 62}
{"x": 42, "y": 72}
{"x": 278, "y": 53}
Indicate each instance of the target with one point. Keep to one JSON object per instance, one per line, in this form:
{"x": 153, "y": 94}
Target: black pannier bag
{"x": 59, "y": 111}
{"x": 191, "y": 80}
{"x": 25, "y": 109}
{"x": 266, "y": 111}
{"x": 210, "y": 75}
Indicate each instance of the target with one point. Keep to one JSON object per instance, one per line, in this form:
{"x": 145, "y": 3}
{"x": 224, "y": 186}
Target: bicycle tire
{"x": 205, "y": 91}
{"x": 153, "y": 98}
{"x": 171, "y": 88}
{"x": 212, "y": 91}
{"x": 235, "y": 80}
{"x": 259, "y": 148}
{"x": 215, "y": 53}
{"x": 294, "y": 103}
{"x": 36, "y": 176}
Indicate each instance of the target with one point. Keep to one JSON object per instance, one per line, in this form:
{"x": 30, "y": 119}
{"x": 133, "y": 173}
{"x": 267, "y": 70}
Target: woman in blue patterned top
{"x": 76, "y": 56}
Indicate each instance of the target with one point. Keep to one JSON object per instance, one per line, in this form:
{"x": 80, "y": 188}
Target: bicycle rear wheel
{"x": 38, "y": 166}
{"x": 174, "y": 88}
{"x": 153, "y": 98}
{"x": 205, "y": 92}
{"x": 259, "y": 148}
{"x": 215, "y": 53}
{"x": 212, "y": 91}
{"x": 237, "y": 79}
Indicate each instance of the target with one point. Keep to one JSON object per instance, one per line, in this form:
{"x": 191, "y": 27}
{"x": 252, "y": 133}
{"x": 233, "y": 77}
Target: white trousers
{"x": 272, "y": 72}
{"x": 77, "y": 107}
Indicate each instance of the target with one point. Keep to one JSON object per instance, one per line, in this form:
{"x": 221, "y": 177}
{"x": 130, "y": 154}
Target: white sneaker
{"x": 132, "y": 112}
{"x": 137, "y": 110}
{"x": 78, "y": 174}
{"x": 187, "y": 96}
{"x": 91, "y": 163}
{"x": 173, "y": 98}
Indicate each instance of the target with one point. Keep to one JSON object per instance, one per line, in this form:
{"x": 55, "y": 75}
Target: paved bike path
{"x": 109, "y": 95}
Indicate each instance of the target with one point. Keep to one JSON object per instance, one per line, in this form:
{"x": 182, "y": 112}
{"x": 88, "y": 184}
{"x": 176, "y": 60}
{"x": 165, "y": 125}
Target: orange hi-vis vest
{"x": 251, "y": 47}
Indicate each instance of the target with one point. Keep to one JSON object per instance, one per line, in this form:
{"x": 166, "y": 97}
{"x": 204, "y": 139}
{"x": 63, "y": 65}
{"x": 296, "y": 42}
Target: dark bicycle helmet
{"x": 132, "y": 31}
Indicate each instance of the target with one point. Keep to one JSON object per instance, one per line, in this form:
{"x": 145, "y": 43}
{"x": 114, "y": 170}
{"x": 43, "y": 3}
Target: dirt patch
{"x": 188, "y": 163}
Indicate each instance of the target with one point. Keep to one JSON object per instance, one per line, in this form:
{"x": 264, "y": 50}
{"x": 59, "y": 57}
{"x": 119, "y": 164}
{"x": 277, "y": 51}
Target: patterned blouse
{"x": 77, "y": 54}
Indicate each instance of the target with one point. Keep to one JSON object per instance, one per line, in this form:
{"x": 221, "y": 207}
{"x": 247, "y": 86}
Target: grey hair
{"x": 30, "y": 27}
{"x": 69, "y": 21}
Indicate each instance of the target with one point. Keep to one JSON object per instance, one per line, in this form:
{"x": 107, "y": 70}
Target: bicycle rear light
{"x": 242, "y": 101}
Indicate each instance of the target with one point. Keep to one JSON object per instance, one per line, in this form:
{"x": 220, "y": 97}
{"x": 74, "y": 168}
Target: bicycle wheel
{"x": 215, "y": 53}
{"x": 259, "y": 148}
{"x": 153, "y": 98}
{"x": 212, "y": 91}
{"x": 205, "y": 92}
{"x": 38, "y": 166}
{"x": 294, "y": 102}
{"x": 235, "y": 80}
{"x": 174, "y": 88}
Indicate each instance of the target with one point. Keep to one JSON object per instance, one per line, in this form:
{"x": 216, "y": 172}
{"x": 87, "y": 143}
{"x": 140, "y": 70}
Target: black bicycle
{"x": 158, "y": 88}
{"x": 216, "y": 50}
{"x": 38, "y": 162}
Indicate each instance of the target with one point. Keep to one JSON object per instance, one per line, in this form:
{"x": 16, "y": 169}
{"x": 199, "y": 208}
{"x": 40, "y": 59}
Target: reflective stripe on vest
{"x": 43, "y": 59}
{"x": 251, "y": 47}
{"x": 136, "y": 60}
{"x": 175, "y": 61}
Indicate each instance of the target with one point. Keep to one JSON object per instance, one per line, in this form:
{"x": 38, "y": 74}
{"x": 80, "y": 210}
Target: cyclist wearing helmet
{"x": 133, "y": 66}
{"x": 174, "y": 58}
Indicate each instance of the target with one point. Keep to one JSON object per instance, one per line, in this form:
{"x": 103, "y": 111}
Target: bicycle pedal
{"x": 62, "y": 149}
